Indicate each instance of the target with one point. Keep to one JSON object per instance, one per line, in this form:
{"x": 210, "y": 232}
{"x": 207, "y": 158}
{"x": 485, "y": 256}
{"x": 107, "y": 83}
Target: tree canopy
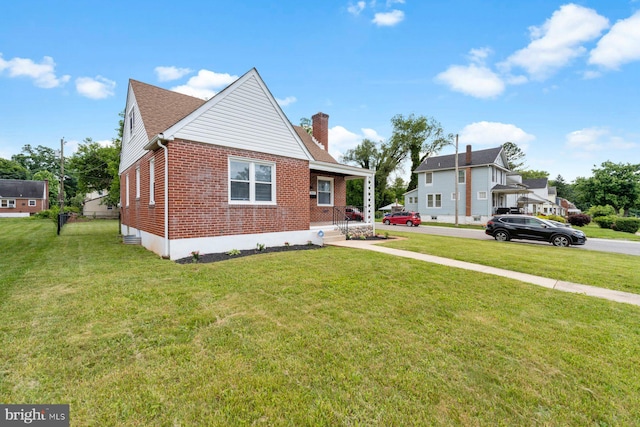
{"x": 614, "y": 184}
{"x": 515, "y": 156}
{"x": 10, "y": 169}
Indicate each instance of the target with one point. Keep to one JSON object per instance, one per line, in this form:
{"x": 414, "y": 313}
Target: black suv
{"x": 507, "y": 227}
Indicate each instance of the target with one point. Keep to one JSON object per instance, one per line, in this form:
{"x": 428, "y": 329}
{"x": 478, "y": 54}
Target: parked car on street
{"x": 507, "y": 227}
{"x": 353, "y": 214}
{"x": 405, "y": 218}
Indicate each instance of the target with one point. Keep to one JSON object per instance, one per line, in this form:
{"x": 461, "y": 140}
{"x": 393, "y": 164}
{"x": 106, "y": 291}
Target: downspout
{"x": 166, "y": 195}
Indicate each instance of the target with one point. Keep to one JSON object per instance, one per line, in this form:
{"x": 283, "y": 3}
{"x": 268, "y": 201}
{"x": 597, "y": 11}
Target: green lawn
{"x": 594, "y": 231}
{"x": 601, "y": 269}
{"x": 325, "y": 337}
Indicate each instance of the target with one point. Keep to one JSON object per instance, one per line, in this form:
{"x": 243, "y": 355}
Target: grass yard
{"x": 594, "y": 231}
{"x": 325, "y": 337}
{"x": 601, "y": 269}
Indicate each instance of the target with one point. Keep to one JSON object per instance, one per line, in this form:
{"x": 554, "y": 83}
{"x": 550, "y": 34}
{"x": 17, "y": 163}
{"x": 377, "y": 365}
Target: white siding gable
{"x": 245, "y": 116}
{"x": 500, "y": 162}
{"x": 133, "y": 141}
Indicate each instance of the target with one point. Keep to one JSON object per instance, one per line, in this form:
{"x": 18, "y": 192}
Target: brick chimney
{"x": 468, "y": 159}
{"x": 320, "y": 123}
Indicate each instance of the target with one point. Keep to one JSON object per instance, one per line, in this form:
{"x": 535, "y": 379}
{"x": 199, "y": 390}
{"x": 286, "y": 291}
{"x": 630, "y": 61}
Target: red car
{"x": 408, "y": 218}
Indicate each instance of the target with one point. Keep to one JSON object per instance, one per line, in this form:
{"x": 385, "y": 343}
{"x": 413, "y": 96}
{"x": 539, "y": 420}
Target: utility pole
{"x": 61, "y": 193}
{"x": 456, "y": 181}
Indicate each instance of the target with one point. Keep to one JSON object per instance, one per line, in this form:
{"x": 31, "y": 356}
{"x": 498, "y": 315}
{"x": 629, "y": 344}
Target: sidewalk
{"x": 559, "y": 285}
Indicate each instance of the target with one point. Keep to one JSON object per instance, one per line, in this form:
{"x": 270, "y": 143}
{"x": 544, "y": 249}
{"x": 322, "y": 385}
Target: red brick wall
{"x": 325, "y": 213}
{"x": 198, "y": 194}
{"x": 22, "y": 206}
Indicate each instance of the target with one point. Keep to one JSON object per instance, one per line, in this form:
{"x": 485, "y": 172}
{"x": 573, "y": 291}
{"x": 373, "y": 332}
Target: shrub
{"x": 556, "y": 218}
{"x": 579, "y": 220}
{"x": 605, "y": 221}
{"x": 627, "y": 225}
{"x": 596, "y": 211}
{"x": 48, "y": 214}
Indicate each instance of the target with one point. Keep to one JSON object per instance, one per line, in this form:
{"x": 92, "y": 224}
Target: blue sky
{"x": 560, "y": 79}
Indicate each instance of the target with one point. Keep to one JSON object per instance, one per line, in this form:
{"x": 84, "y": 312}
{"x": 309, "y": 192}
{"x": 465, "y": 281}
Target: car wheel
{"x": 409, "y": 223}
{"x": 501, "y": 236}
{"x": 560, "y": 240}
{"x": 387, "y": 222}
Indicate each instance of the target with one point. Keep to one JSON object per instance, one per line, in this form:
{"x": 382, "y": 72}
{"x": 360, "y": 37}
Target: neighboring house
{"x": 23, "y": 198}
{"x": 94, "y": 206}
{"x": 541, "y": 199}
{"x": 482, "y": 181}
{"x": 228, "y": 173}
{"x": 569, "y": 207}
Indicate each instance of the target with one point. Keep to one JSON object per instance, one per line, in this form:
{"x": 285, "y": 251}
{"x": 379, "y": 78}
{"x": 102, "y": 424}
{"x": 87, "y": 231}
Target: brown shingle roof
{"x": 318, "y": 153}
{"x": 162, "y": 108}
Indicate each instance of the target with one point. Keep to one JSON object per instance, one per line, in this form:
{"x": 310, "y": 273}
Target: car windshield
{"x": 548, "y": 223}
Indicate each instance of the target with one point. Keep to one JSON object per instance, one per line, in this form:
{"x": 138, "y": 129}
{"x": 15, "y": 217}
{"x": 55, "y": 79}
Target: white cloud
{"x": 388, "y": 19}
{"x": 287, "y": 101}
{"x": 478, "y": 56}
{"x": 341, "y": 139}
{"x": 475, "y": 80}
{"x": 355, "y": 9}
{"x": 558, "y": 41}
{"x": 494, "y": 134}
{"x": 590, "y": 74}
{"x": 43, "y": 74}
{"x": 166, "y": 74}
{"x": 585, "y": 141}
{"x": 620, "y": 45}
{"x": 205, "y": 84}
{"x": 95, "y": 88}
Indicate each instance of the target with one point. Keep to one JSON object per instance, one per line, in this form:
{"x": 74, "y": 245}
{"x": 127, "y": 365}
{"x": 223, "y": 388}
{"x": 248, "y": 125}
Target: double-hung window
{"x": 461, "y": 176}
{"x": 252, "y": 182}
{"x": 325, "y": 192}
{"x": 32, "y": 202}
{"x": 152, "y": 181}
{"x": 428, "y": 178}
{"x": 138, "y": 182}
{"x": 7, "y": 203}
{"x": 434, "y": 200}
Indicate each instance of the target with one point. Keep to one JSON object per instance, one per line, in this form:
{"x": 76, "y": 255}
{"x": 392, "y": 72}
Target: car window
{"x": 533, "y": 222}
{"x": 513, "y": 220}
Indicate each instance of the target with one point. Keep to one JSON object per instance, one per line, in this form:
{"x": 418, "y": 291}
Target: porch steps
{"x": 333, "y": 236}
{"x": 131, "y": 239}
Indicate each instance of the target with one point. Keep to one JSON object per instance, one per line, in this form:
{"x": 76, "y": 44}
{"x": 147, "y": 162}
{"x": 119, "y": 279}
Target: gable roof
{"x": 535, "y": 182}
{"x": 16, "y": 188}
{"x": 478, "y": 158}
{"x": 319, "y": 154}
{"x": 162, "y": 108}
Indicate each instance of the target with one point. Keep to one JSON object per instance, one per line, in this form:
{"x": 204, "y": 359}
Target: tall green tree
{"x": 533, "y": 174}
{"x": 421, "y": 136}
{"x": 563, "y": 188}
{"x": 614, "y": 184}
{"x": 10, "y": 169}
{"x": 54, "y": 185}
{"x": 35, "y": 159}
{"x": 93, "y": 164}
{"x": 515, "y": 156}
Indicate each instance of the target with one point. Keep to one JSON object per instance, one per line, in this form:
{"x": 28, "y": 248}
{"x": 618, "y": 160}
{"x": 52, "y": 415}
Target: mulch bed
{"x": 207, "y": 258}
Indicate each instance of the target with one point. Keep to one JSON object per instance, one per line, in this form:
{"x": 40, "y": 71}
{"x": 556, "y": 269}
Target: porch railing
{"x": 343, "y": 215}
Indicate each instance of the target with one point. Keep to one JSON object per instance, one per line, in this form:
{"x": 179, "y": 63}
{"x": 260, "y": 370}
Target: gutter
{"x": 158, "y": 140}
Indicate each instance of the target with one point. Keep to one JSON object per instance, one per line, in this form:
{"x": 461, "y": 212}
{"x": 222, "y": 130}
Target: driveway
{"x": 603, "y": 245}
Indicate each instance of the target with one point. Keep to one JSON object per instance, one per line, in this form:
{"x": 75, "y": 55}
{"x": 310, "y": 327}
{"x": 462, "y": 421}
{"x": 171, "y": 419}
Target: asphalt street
{"x": 603, "y": 245}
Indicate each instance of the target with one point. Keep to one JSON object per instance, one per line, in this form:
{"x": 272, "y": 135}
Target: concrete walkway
{"x": 559, "y": 285}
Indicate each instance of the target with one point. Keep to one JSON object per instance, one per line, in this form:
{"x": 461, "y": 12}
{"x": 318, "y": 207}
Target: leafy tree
{"x": 515, "y": 156}
{"x": 94, "y": 166}
{"x": 533, "y": 174}
{"x": 54, "y": 185}
{"x": 398, "y": 189}
{"x": 10, "y": 169}
{"x": 305, "y": 123}
{"x": 421, "y": 136}
{"x": 384, "y": 160}
{"x": 563, "y": 189}
{"x": 614, "y": 184}
{"x": 38, "y": 159}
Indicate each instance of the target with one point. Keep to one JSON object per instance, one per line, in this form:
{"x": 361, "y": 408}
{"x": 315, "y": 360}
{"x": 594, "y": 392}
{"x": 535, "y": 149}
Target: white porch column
{"x": 369, "y": 200}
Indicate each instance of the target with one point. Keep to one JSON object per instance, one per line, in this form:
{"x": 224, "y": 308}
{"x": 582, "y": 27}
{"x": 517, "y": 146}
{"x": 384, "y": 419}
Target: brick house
{"x": 227, "y": 173}
{"x": 23, "y": 198}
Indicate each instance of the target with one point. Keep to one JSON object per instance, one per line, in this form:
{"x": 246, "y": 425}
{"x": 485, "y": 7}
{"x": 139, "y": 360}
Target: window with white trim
{"x": 434, "y": 200}
{"x": 482, "y": 195}
{"x": 132, "y": 120}
{"x": 127, "y": 190}
{"x": 152, "y": 181}
{"x": 7, "y": 203}
{"x": 453, "y": 196}
{"x": 32, "y": 203}
{"x": 138, "y": 182}
{"x": 252, "y": 182}
{"x": 428, "y": 178}
{"x": 462, "y": 174}
{"x": 325, "y": 191}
